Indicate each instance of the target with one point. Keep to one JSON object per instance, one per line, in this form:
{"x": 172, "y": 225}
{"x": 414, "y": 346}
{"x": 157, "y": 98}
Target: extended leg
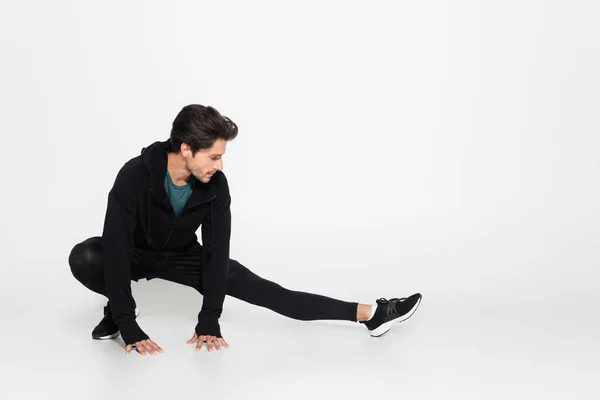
{"x": 245, "y": 285}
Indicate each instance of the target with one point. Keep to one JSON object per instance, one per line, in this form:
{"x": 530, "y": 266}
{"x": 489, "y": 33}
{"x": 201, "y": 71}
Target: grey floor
{"x": 482, "y": 345}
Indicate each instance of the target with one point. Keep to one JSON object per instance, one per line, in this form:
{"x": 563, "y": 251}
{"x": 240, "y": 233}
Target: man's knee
{"x": 84, "y": 260}
{"x": 237, "y": 271}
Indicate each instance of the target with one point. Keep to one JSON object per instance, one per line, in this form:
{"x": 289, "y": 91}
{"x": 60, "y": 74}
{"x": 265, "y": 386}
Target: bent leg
{"x": 85, "y": 261}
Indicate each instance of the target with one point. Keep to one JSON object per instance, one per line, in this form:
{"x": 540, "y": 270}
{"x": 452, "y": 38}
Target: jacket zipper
{"x": 169, "y": 237}
{"x": 176, "y": 218}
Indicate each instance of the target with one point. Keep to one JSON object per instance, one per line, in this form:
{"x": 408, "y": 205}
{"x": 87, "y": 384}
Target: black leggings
{"x": 184, "y": 268}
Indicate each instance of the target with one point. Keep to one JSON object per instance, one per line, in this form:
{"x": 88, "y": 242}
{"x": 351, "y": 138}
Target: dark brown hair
{"x": 199, "y": 127}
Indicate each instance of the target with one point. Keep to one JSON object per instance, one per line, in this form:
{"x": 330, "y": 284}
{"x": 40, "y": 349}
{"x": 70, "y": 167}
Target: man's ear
{"x": 185, "y": 150}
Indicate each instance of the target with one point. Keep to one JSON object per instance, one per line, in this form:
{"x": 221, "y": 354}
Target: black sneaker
{"x": 107, "y": 329}
{"x": 390, "y": 312}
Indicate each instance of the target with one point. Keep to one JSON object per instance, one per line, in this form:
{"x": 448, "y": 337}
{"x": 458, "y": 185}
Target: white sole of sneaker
{"x": 384, "y": 328}
{"x": 114, "y": 335}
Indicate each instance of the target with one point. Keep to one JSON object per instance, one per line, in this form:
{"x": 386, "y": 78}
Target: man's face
{"x": 206, "y": 162}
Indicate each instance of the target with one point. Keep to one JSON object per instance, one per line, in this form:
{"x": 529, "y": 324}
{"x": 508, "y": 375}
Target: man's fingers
{"x": 193, "y": 339}
{"x": 139, "y": 346}
{"x": 148, "y": 347}
{"x": 143, "y": 347}
{"x": 131, "y": 347}
{"x": 216, "y": 343}
{"x": 213, "y": 343}
{"x": 155, "y": 346}
{"x": 210, "y": 342}
{"x": 201, "y": 339}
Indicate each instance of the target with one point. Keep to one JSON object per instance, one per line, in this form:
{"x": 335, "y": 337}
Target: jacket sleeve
{"x": 116, "y": 243}
{"x": 216, "y": 234}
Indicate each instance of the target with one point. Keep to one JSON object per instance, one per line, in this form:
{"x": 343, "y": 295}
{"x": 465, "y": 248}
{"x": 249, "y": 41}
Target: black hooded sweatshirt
{"x": 139, "y": 214}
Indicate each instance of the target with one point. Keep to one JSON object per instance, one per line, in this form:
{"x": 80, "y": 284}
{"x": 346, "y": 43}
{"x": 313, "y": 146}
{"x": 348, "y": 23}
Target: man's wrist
{"x": 208, "y": 325}
{"x": 131, "y": 332}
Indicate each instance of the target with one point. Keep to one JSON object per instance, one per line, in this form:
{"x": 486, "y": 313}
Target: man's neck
{"x": 176, "y": 166}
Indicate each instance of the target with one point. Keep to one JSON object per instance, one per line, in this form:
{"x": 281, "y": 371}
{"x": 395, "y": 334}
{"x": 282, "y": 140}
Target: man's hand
{"x": 210, "y": 340}
{"x": 144, "y": 346}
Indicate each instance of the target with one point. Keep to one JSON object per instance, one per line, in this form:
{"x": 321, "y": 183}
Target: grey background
{"x": 385, "y": 148}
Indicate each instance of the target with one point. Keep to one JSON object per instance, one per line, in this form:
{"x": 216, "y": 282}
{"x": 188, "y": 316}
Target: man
{"x": 158, "y": 201}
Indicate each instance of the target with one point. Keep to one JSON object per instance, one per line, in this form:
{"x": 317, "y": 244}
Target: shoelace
{"x": 383, "y": 300}
{"x": 391, "y": 304}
